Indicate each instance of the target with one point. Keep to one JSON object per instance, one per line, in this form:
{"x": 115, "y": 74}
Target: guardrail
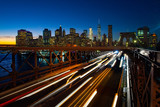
{"x": 145, "y": 77}
{"x": 33, "y": 59}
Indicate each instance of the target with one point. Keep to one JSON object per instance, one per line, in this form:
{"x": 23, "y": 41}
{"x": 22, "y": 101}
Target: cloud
{"x": 12, "y": 37}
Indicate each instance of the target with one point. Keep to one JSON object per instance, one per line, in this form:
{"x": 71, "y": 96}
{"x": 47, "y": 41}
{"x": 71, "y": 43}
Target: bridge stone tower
{"x": 110, "y": 35}
{"x": 127, "y": 35}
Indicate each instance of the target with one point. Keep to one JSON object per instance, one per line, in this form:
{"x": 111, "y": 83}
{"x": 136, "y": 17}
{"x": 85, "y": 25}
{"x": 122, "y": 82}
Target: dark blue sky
{"x": 35, "y": 15}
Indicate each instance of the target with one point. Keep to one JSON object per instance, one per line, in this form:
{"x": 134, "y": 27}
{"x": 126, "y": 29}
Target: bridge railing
{"x": 145, "y": 77}
{"x": 22, "y": 64}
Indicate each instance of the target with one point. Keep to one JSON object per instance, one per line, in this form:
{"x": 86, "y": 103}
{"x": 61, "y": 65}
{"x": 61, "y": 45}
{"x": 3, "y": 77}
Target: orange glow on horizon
{"x": 8, "y": 41}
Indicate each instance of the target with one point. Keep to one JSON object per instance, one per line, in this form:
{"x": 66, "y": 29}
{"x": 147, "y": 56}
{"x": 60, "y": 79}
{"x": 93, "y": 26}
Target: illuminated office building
{"x": 46, "y": 36}
{"x": 23, "y": 37}
{"x": 99, "y": 32}
{"x": 90, "y": 34}
{"x": 143, "y": 35}
{"x": 72, "y": 31}
{"x": 85, "y": 31}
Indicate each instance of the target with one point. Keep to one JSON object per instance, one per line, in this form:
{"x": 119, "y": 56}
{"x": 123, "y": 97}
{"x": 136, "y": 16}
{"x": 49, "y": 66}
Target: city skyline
{"x": 124, "y": 16}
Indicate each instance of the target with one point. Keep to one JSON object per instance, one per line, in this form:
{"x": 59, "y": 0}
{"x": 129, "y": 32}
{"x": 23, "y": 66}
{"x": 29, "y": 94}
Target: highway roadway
{"x": 91, "y": 84}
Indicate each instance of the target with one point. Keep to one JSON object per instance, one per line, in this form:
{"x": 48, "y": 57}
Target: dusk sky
{"x": 35, "y": 15}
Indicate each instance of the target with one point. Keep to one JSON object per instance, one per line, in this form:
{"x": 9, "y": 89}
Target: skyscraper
{"x": 143, "y": 35}
{"x": 60, "y": 31}
{"x": 110, "y": 35}
{"x": 99, "y": 32}
{"x": 57, "y": 33}
{"x": 64, "y": 32}
{"x": 90, "y": 34}
{"x": 104, "y": 39}
{"x": 46, "y": 36}
{"x": 85, "y": 32}
{"x": 72, "y": 31}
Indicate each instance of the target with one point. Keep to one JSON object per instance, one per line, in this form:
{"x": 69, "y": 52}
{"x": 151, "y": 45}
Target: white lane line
{"x": 54, "y": 92}
{"x": 70, "y": 95}
{"x": 32, "y": 93}
{"x": 34, "y": 84}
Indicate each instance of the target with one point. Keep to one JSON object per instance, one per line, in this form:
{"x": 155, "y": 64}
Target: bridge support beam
{"x": 50, "y": 59}
{"x": 145, "y": 74}
{"x": 14, "y": 73}
{"x": 35, "y": 65}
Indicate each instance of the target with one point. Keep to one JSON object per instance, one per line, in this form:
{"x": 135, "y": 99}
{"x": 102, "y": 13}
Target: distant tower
{"x": 46, "y": 36}
{"x": 99, "y": 31}
{"x": 85, "y": 32}
{"x": 90, "y": 34}
{"x": 60, "y": 31}
{"x": 143, "y": 35}
{"x": 72, "y": 30}
{"x": 110, "y": 35}
{"x": 64, "y": 32}
{"x": 104, "y": 38}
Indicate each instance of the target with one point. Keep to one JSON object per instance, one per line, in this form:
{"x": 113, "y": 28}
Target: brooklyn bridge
{"x": 79, "y": 76}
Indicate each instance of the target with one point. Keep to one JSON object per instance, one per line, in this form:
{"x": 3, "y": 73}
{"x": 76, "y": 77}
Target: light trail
{"x": 115, "y": 100}
{"x": 89, "y": 89}
{"x": 94, "y": 86}
{"x": 90, "y": 99}
{"x": 70, "y": 95}
{"x": 114, "y": 63}
{"x": 70, "y": 78}
{"x": 92, "y": 64}
{"x": 47, "y": 86}
{"x": 102, "y": 56}
{"x": 120, "y": 65}
{"x": 119, "y": 54}
{"x": 128, "y": 84}
{"x": 89, "y": 71}
{"x": 110, "y": 53}
{"x": 54, "y": 92}
{"x": 114, "y": 56}
{"x": 34, "y": 84}
{"x": 102, "y": 61}
{"x": 95, "y": 80}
